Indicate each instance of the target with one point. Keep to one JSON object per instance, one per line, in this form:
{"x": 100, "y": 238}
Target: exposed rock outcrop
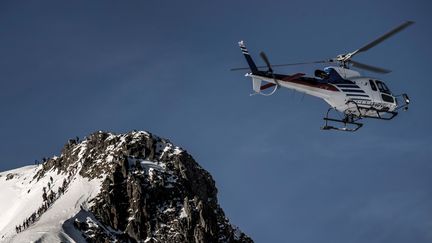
{"x": 152, "y": 191}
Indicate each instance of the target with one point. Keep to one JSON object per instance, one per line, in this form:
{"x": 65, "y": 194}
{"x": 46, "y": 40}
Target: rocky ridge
{"x": 151, "y": 191}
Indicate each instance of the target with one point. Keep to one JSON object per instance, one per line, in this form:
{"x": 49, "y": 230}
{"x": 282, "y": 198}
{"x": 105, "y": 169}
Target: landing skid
{"x": 382, "y": 114}
{"x": 388, "y": 115}
{"x": 349, "y": 123}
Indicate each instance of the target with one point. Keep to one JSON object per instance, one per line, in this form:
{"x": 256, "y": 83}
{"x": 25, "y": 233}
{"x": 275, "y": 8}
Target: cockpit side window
{"x": 382, "y": 87}
{"x": 372, "y": 84}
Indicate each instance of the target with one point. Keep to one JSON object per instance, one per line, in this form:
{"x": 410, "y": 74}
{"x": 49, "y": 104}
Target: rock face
{"x": 152, "y": 191}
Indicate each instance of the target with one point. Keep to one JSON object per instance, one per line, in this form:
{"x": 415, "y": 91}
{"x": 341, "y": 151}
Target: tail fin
{"x": 249, "y": 60}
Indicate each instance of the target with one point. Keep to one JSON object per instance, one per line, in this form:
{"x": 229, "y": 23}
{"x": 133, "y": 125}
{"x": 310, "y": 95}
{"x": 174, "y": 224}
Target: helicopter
{"x": 350, "y": 95}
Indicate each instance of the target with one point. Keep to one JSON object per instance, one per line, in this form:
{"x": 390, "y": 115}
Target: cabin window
{"x": 382, "y": 87}
{"x": 372, "y": 84}
{"x": 387, "y": 98}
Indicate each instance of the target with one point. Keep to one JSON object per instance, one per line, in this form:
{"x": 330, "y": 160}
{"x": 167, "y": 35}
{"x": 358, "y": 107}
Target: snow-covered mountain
{"x": 133, "y": 187}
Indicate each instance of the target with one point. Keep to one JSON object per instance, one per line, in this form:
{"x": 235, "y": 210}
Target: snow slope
{"x": 21, "y": 196}
{"x": 145, "y": 189}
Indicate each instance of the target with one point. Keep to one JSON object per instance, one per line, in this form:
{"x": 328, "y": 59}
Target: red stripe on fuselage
{"x": 298, "y": 80}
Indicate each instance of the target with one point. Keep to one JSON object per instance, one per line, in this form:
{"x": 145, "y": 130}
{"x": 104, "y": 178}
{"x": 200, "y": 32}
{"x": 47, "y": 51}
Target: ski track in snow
{"x": 17, "y": 205}
{"x": 21, "y": 196}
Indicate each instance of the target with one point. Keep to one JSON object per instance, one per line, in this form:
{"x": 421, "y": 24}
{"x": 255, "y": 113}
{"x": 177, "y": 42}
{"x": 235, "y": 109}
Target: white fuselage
{"x": 363, "y": 96}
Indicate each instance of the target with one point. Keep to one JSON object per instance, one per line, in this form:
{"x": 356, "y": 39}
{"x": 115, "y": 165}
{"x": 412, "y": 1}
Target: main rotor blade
{"x": 304, "y": 63}
{"x": 287, "y": 64}
{"x": 383, "y": 37}
{"x": 369, "y": 67}
{"x": 242, "y": 68}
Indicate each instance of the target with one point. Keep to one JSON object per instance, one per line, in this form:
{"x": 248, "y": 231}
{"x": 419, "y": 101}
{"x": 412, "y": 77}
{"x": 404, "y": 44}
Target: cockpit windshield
{"x": 330, "y": 75}
{"x": 382, "y": 87}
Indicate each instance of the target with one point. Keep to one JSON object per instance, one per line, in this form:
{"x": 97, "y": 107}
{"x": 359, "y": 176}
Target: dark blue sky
{"x": 69, "y": 68}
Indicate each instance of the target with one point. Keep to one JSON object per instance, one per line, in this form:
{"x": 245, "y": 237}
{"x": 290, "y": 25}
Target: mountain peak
{"x": 134, "y": 187}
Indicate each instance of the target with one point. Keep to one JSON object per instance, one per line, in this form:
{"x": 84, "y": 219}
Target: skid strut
{"x": 349, "y": 123}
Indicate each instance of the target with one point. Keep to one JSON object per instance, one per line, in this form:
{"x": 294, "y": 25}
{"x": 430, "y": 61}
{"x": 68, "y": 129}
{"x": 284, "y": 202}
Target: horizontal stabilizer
{"x": 256, "y": 85}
